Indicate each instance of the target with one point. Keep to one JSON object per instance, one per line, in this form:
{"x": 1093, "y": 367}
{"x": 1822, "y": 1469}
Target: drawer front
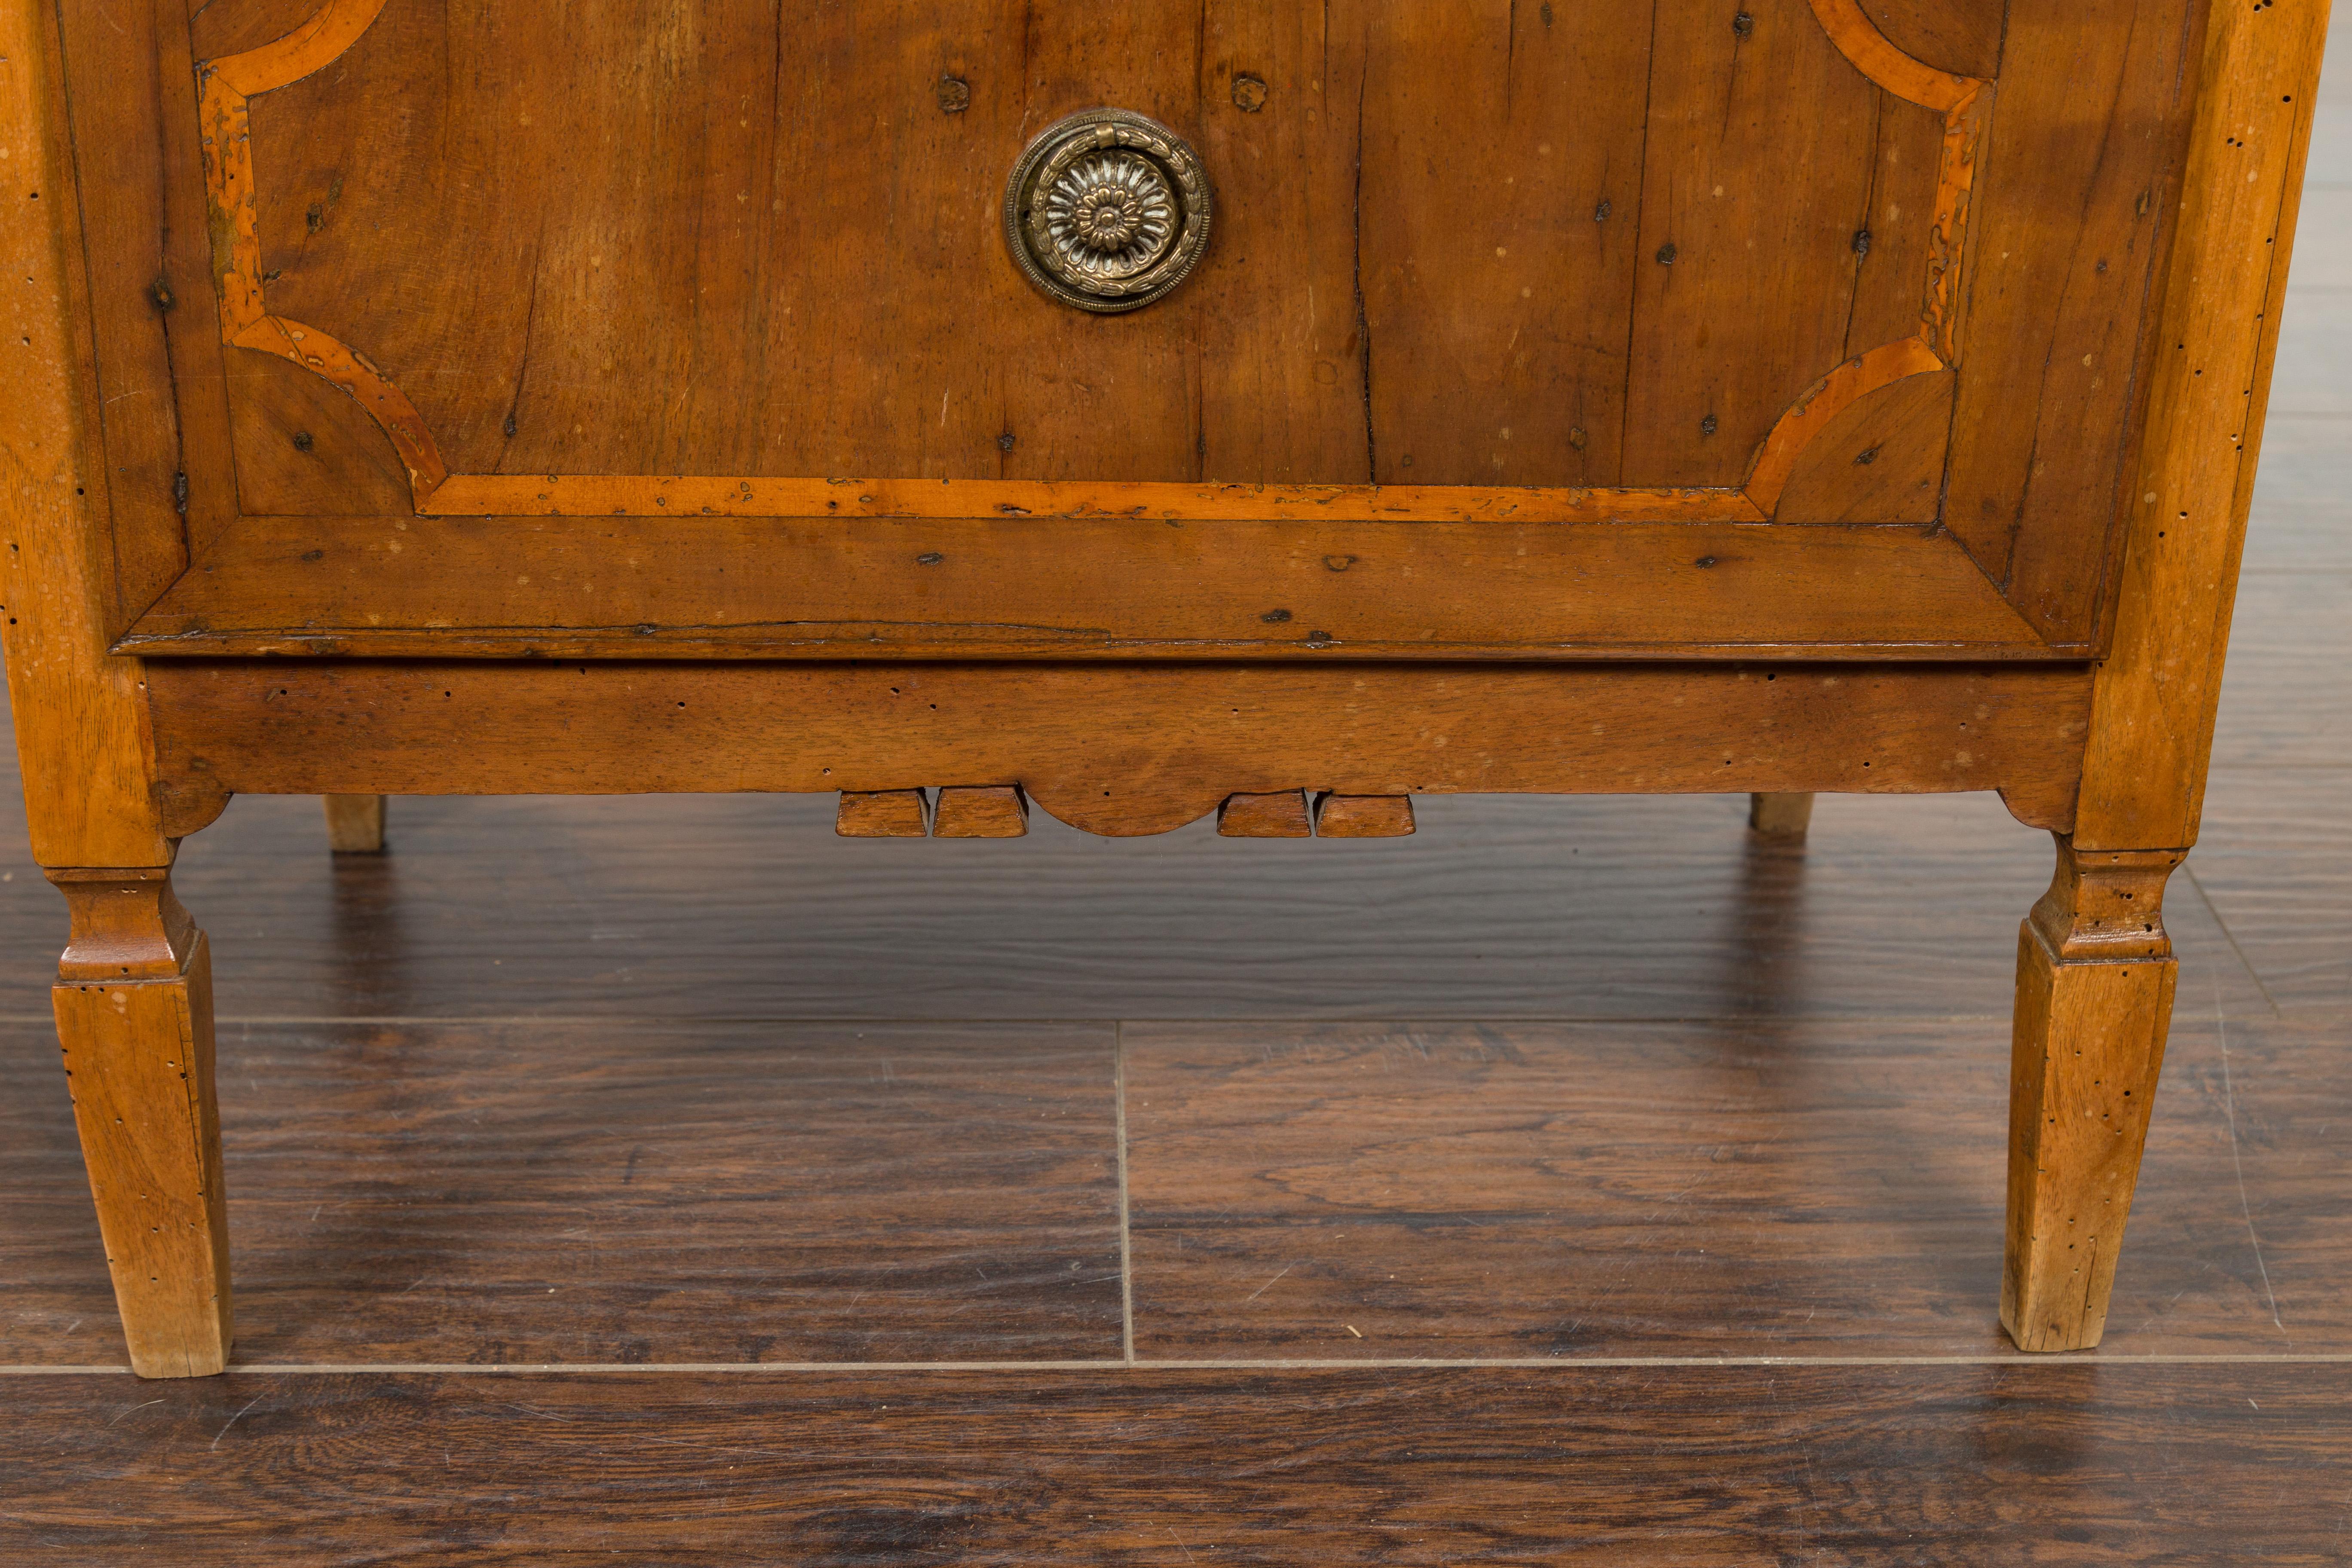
{"x": 1803, "y": 262}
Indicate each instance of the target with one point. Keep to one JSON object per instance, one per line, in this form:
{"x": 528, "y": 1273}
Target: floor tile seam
{"x": 1238, "y": 1365}
{"x": 1126, "y": 1231}
{"x": 2231, "y": 937}
{"x": 292, "y": 1020}
{"x": 2269, "y": 767}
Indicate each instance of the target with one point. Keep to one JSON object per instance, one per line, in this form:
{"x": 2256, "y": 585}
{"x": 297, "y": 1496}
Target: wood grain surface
{"x": 808, "y": 1191}
{"x": 1617, "y": 310}
{"x": 1280, "y": 813}
{"x": 1882, "y": 457}
{"x": 62, "y": 572}
{"x": 1118, "y": 750}
{"x": 1370, "y": 1192}
{"x": 883, "y": 813}
{"x": 2152, "y": 734}
{"x": 1695, "y": 1465}
{"x": 413, "y": 1191}
{"x": 354, "y": 824}
{"x": 1607, "y": 905}
{"x": 2096, "y": 981}
{"x": 622, "y": 919}
{"x": 1962, "y": 37}
{"x": 1094, "y": 586}
{"x": 1732, "y": 111}
{"x": 1363, "y": 816}
{"x": 2057, "y": 307}
{"x": 980, "y": 810}
{"x": 1357, "y": 276}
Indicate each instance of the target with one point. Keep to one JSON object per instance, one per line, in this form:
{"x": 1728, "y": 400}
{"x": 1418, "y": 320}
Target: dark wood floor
{"x": 666, "y": 1181}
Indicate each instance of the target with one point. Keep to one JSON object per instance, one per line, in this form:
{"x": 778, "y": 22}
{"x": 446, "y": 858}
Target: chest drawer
{"x": 1639, "y": 267}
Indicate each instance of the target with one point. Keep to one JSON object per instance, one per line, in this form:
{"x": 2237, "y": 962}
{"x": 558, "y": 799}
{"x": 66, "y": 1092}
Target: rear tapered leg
{"x": 1780, "y": 816}
{"x": 354, "y": 824}
{"x": 2094, "y": 980}
{"x": 134, "y": 1010}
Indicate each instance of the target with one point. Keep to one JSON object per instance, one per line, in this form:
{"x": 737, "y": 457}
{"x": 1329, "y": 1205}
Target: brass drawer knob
{"x": 1107, "y": 211}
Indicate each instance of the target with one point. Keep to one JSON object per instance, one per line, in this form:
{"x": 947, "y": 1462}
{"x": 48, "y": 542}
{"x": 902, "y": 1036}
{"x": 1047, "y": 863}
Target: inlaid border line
{"x": 1961, "y": 101}
{"x": 225, "y": 88}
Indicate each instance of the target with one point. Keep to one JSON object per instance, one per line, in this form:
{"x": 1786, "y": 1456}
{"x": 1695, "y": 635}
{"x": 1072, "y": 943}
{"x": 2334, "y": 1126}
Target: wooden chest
{"x": 1142, "y": 410}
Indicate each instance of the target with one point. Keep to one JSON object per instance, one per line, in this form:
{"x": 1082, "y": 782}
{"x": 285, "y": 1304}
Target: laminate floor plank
{"x": 2313, "y": 371}
{"x": 2323, "y": 239}
{"x": 2331, "y": 129}
{"x": 746, "y": 907}
{"x": 2331, "y": 124}
{"x": 2275, "y": 863}
{"x": 2291, "y": 641}
{"x": 2307, "y": 461}
{"x": 2061, "y": 1465}
{"x": 450, "y": 1193}
{"x": 1360, "y": 1192}
{"x": 616, "y": 1193}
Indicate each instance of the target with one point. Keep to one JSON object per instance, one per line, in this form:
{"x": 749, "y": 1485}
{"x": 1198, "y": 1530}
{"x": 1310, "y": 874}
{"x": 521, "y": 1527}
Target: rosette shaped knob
{"x": 1107, "y": 211}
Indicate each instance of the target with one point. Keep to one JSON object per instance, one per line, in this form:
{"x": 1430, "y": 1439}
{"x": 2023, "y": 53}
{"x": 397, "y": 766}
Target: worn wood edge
{"x": 230, "y": 212}
{"x": 2105, "y": 904}
{"x": 1122, "y": 588}
{"x": 79, "y": 717}
{"x": 1340, "y": 816}
{"x": 980, "y": 810}
{"x": 1956, "y": 176}
{"x": 156, "y": 1159}
{"x": 125, "y": 924}
{"x": 225, "y": 87}
{"x": 882, "y": 814}
{"x": 2054, "y": 1292}
{"x": 863, "y": 642}
{"x": 1273, "y": 813}
{"x": 1961, "y": 101}
{"x": 1190, "y": 735}
{"x": 2158, "y": 688}
{"x": 602, "y": 495}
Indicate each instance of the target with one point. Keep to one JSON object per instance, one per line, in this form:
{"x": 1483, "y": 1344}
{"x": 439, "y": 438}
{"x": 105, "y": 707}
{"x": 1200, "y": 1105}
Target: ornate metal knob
{"x": 1107, "y": 211}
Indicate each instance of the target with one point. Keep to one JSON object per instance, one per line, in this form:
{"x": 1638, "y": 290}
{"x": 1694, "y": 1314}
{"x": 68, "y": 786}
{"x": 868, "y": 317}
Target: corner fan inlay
{"x": 1107, "y": 211}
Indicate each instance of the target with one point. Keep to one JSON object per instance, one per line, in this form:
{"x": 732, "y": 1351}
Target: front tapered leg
{"x": 134, "y": 1009}
{"x": 2095, "y": 978}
